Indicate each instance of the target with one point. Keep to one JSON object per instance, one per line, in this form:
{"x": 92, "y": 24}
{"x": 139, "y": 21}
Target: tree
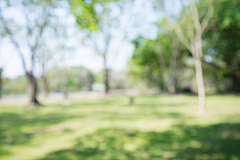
{"x": 44, "y": 56}
{"x": 37, "y": 17}
{"x": 80, "y": 78}
{"x": 144, "y": 66}
{"x": 0, "y": 82}
{"x": 44, "y": 79}
{"x": 63, "y": 51}
{"x": 158, "y": 62}
{"x": 102, "y": 24}
{"x": 190, "y": 29}
{"x": 223, "y": 44}
{"x": 170, "y": 55}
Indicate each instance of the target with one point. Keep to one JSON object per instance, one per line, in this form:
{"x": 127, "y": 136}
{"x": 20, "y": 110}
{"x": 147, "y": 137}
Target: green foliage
{"x": 144, "y": 62}
{"x": 86, "y": 14}
{"x": 118, "y": 80}
{"x": 153, "y": 61}
{"x": 79, "y": 78}
{"x": 223, "y": 42}
{"x": 221, "y": 45}
{"x": 14, "y": 86}
{"x": 100, "y": 76}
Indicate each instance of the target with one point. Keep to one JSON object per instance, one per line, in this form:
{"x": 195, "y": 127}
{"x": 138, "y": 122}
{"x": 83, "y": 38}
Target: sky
{"x": 84, "y": 55}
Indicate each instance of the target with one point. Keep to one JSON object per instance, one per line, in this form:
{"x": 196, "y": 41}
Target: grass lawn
{"x": 155, "y": 127}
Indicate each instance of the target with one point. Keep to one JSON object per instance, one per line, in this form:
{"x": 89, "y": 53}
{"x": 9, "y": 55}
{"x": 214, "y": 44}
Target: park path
{"x": 13, "y": 99}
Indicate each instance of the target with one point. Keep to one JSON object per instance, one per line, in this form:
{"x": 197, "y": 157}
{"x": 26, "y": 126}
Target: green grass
{"x": 155, "y": 127}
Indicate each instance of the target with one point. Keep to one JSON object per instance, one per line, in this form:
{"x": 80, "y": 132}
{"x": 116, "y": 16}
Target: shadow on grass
{"x": 95, "y": 103}
{"x": 180, "y": 142}
{"x": 12, "y": 125}
{"x": 159, "y": 105}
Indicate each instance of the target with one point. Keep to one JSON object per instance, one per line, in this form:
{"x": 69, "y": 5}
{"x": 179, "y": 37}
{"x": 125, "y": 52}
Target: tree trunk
{"x": 0, "y": 82}
{"x": 171, "y": 88}
{"x": 106, "y": 81}
{"x": 32, "y": 91}
{"x": 235, "y": 84}
{"x": 175, "y": 82}
{"x": 45, "y": 82}
{"x": 200, "y": 85}
{"x": 131, "y": 100}
{"x": 106, "y": 75}
{"x": 45, "y": 86}
{"x": 64, "y": 83}
{"x": 169, "y": 81}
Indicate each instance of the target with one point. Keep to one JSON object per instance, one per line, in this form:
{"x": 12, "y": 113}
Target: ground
{"x": 154, "y": 127}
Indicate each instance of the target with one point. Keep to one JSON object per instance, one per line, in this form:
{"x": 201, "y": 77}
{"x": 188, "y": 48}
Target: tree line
{"x": 196, "y": 47}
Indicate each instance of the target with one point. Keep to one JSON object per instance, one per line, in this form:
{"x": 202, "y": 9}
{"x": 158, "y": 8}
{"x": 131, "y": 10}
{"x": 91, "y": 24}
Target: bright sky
{"x": 83, "y": 55}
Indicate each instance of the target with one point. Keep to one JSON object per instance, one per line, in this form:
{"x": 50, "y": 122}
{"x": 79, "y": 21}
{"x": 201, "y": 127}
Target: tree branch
{"x": 180, "y": 35}
{"x": 195, "y": 18}
{"x": 207, "y": 17}
{"x": 13, "y": 41}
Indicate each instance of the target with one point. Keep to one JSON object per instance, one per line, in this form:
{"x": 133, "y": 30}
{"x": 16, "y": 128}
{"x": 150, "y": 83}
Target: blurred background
{"x": 119, "y": 79}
